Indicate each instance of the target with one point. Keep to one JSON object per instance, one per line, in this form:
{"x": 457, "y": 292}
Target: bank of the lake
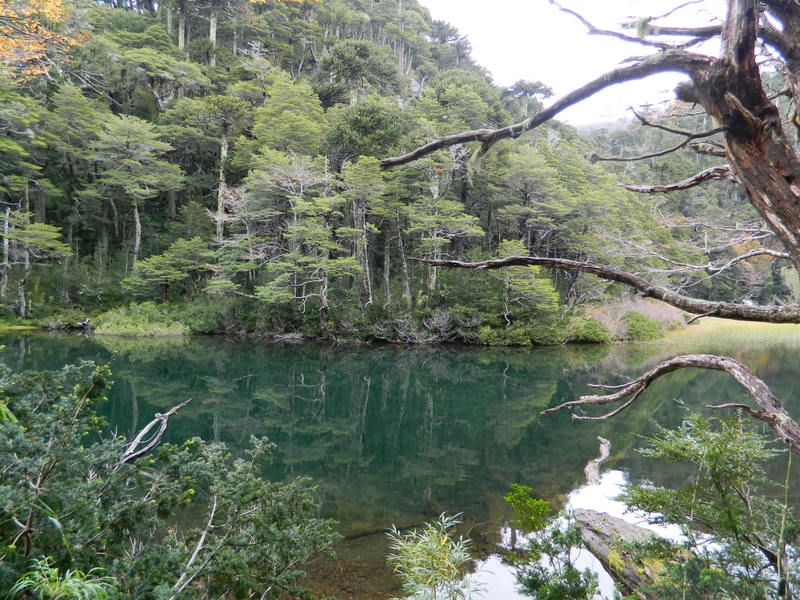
{"x": 398, "y": 435}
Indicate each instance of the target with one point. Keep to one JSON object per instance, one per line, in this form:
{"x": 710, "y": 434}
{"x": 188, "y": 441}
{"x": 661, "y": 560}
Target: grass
{"x": 721, "y": 335}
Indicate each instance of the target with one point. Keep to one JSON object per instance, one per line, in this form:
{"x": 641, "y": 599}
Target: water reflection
{"x": 400, "y": 435}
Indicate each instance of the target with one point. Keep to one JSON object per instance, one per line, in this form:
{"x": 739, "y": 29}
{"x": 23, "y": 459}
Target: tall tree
{"x": 225, "y": 117}
{"x": 128, "y": 154}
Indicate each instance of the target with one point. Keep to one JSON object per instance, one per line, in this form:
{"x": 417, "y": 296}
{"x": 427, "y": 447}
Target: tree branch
{"x": 617, "y": 34}
{"x": 717, "y": 172}
{"x": 133, "y": 452}
{"x": 725, "y": 310}
{"x": 668, "y": 60}
{"x": 689, "y": 137}
{"x": 772, "y": 411}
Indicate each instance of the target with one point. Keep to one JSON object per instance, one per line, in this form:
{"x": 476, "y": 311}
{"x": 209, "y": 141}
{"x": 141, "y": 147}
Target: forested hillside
{"x": 213, "y": 166}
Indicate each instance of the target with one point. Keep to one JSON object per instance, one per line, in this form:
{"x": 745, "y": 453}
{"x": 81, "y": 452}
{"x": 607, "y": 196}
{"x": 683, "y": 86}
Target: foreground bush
{"x": 70, "y": 506}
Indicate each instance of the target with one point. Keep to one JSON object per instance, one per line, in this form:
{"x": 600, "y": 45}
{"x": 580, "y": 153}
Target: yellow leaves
{"x": 28, "y": 30}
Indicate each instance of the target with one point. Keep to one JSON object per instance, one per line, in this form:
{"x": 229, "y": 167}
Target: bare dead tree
{"x": 761, "y": 158}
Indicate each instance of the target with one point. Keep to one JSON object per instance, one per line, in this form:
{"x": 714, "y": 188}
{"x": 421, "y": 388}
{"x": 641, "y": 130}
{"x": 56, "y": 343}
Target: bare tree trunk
{"x": 223, "y": 157}
{"x": 387, "y": 251}
{"x": 6, "y": 261}
{"x": 212, "y": 36}
{"x": 22, "y": 304}
{"x": 182, "y": 29}
{"x": 170, "y": 22}
{"x": 323, "y": 304}
{"x": 404, "y": 264}
{"x": 137, "y": 235}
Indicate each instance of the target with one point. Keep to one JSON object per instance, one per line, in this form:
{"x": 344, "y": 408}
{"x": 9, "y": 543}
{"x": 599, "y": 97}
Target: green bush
{"x": 588, "y": 331}
{"x": 141, "y": 320}
{"x": 640, "y": 327}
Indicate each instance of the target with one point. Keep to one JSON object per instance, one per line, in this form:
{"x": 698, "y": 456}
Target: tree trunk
{"x": 40, "y": 206}
{"x": 404, "y": 264}
{"x": 22, "y": 304}
{"x": 212, "y": 36}
{"x": 172, "y": 197}
{"x": 387, "y": 251}
{"x": 170, "y": 22}
{"x": 182, "y": 29}
{"x": 223, "y": 157}
{"x": 6, "y": 261}
{"x": 137, "y": 235}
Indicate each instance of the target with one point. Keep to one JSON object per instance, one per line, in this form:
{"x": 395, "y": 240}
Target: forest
{"x": 214, "y": 167}
{"x": 344, "y": 170}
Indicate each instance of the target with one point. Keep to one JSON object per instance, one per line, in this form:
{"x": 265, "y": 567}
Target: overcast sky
{"x": 533, "y": 40}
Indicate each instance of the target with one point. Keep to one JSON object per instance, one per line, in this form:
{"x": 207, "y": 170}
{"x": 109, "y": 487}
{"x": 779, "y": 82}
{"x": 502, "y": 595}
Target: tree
{"x": 364, "y": 186}
{"x": 184, "y": 262}
{"x": 756, "y": 143}
{"x": 29, "y": 32}
{"x": 128, "y": 154}
{"x": 225, "y": 117}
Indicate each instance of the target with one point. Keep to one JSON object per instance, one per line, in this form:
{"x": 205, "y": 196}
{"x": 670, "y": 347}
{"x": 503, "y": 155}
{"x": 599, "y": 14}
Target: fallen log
{"x": 603, "y": 536}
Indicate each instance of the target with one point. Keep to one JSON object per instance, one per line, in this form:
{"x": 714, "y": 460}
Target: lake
{"x": 398, "y": 435}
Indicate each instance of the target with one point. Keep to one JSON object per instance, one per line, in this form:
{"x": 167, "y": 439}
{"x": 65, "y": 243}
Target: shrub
{"x": 588, "y": 331}
{"x": 140, "y": 320}
{"x": 640, "y": 327}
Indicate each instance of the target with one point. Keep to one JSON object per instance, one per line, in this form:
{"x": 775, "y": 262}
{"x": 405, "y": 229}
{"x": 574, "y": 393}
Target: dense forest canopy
{"x": 221, "y": 160}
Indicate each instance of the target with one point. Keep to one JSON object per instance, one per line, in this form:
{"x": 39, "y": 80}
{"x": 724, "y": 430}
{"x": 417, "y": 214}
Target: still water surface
{"x": 399, "y": 435}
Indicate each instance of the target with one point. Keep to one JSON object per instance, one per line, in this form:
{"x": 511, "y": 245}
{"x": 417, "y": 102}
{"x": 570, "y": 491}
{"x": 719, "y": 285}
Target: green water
{"x": 398, "y": 435}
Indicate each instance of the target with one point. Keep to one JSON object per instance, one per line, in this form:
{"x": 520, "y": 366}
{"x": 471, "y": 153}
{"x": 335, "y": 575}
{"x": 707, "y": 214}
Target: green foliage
{"x": 586, "y": 330}
{"x": 640, "y": 327}
{"x": 184, "y": 263}
{"x": 250, "y": 535}
{"x": 144, "y": 319}
{"x": 544, "y": 565}
{"x": 533, "y": 513}
{"x": 730, "y": 519}
{"x": 49, "y": 584}
{"x": 431, "y": 563}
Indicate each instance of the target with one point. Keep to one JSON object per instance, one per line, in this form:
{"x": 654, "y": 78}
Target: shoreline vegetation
{"x": 627, "y": 321}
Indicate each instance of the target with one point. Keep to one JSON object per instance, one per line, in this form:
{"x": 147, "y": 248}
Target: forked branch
{"x": 139, "y": 446}
{"x": 725, "y": 310}
{"x": 770, "y": 411}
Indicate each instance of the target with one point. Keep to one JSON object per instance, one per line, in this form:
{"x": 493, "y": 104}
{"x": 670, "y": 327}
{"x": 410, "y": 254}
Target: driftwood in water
{"x": 603, "y": 534}
{"x": 84, "y": 326}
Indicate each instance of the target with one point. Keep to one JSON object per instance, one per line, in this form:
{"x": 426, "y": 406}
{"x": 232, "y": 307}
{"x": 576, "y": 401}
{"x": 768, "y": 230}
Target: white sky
{"x": 533, "y": 40}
